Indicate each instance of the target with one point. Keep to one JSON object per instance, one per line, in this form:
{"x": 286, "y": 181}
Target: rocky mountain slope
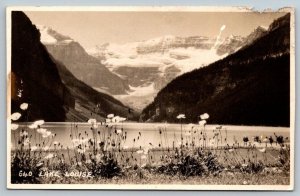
{"x": 52, "y": 91}
{"x": 90, "y": 103}
{"x": 84, "y": 67}
{"x": 134, "y": 72}
{"x": 34, "y": 76}
{"x": 248, "y": 87}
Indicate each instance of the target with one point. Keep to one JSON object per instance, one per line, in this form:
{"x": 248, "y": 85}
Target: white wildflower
{"x": 119, "y": 131}
{"x": 14, "y": 126}
{"x": 110, "y": 115}
{"x": 92, "y": 121}
{"x": 202, "y": 122}
{"x": 41, "y": 131}
{"x": 15, "y": 116}
{"x": 181, "y": 116}
{"x": 39, "y": 122}
{"x": 46, "y": 134}
{"x": 121, "y": 119}
{"x": 33, "y": 126}
{"x": 24, "y": 106}
{"x": 95, "y": 126}
{"x": 115, "y": 119}
{"x": 204, "y": 116}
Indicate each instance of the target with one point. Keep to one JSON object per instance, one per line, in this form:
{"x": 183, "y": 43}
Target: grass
{"x": 224, "y": 178}
{"x": 100, "y": 156}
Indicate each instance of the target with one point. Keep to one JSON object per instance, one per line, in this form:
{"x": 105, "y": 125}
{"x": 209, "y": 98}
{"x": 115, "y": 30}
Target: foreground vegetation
{"x": 99, "y": 155}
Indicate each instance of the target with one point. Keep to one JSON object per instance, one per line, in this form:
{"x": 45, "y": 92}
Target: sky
{"x": 96, "y": 28}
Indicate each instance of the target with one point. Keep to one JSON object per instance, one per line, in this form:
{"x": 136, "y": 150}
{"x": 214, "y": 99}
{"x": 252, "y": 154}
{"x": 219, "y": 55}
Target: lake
{"x": 155, "y": 134}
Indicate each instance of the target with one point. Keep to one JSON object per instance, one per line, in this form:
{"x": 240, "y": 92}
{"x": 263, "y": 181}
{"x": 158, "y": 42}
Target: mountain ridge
{"x": 156, "y": 62}
{"x": 84, "y": 67}
{"x": 89, "y": 101}
{"x": 227, "y": 87}
{"x": 34, "y": 78}
{"x": 53, "y": 93}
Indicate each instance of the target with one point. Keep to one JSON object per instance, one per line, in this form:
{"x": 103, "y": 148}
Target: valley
{"x": 140, "y": 66}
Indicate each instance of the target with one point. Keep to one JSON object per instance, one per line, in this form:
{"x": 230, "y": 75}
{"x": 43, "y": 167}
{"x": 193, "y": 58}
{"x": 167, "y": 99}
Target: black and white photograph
{"x": 154, "y": 98}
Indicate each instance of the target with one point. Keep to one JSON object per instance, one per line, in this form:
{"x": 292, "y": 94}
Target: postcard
{"x": 152, "y": 98}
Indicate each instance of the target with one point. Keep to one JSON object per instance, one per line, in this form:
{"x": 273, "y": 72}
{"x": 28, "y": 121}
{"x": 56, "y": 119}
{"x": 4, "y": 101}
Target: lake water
{"x": 155, "y": 134}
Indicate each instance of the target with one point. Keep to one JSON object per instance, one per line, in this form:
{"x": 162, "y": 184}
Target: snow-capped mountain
{"x": 184, "y": 53}
{"x": 243, "y": 88}
{"x": 49, "y": 36}
{"x": 84, "y": 66}
{"x": 151, "y": 64}
{"x": 134, "y": 72}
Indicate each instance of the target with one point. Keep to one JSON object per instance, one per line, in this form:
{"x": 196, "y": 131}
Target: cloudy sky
{"x": 96, "y": 28}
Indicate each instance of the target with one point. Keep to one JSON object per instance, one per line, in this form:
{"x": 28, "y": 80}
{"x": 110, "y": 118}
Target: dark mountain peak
{"x": 258, "y": 32}
{"x": 35, "y": 74}
{"x": 260, "y": 29}
{"x": 58, "y": 36}
{"x": 282, "y": 21}
{"x": 274, "y": 42}
{"x": 24, "y": 22}
{"x": 230, "y": 44}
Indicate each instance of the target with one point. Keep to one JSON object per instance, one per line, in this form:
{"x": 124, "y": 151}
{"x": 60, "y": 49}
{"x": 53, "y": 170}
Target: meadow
{"x": 113, "y": 151}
